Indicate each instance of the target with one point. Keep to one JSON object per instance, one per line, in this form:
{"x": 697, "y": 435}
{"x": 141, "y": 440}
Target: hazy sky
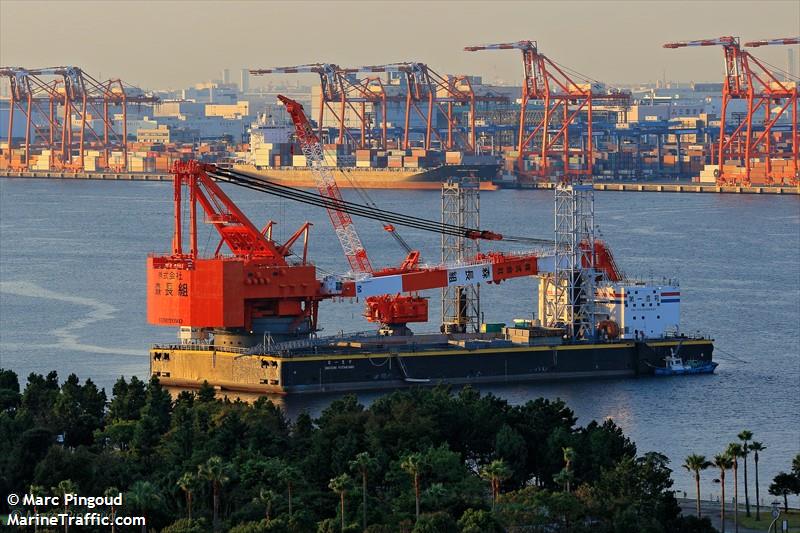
{"x": 172, "y": 44}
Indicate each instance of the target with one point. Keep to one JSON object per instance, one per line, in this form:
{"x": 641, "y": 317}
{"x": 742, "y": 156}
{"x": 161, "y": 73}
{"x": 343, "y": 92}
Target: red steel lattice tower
{"x": 50, "y": 99}
{"x": 747, "y": 78}
{"x": 563, "y": 100}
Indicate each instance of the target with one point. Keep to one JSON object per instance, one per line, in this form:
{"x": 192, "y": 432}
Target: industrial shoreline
{"x": 602, "y": 186}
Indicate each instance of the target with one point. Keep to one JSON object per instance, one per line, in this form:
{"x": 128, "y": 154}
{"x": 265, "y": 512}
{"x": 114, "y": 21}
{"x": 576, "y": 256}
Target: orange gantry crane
{"x": 564, "y": 96}
{"x": 747, "y": 78}
{"x": 50, "y": 100}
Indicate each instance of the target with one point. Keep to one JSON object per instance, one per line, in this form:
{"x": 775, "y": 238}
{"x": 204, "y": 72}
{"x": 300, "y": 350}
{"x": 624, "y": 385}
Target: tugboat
{"x": 675, "y": 366}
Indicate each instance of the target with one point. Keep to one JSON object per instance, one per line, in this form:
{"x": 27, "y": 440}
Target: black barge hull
{"x": 311, "y": 373}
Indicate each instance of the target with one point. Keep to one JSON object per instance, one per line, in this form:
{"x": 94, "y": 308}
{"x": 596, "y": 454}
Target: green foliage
{"x": 692, "y": 524}
{"x": 247, "y": 468}
{"x": 784, "y": 484}
{"x": 479, "y": 521}
{"x": 439, "y": 522}
{"x": 278, "y": 525}
{"x": 40, "y": 395}
{"x": 695, "y": 464}
{"x": 128, "y": 399}
{"x": 341, "y": 484}
{"x": 10, "y": 397}
{"x": 635, "y": 494}
{"x": 509, "y": 445}
{"x": 184, "y": 525}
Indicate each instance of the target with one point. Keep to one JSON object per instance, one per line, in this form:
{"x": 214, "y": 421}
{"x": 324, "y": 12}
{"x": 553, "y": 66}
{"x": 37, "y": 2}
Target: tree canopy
{"x": 478, "y": 463}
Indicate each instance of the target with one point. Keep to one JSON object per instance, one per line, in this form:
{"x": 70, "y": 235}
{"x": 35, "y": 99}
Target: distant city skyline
{"x": 175, "y": 44}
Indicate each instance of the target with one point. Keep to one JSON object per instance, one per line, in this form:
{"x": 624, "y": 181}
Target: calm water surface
{"x": 72, "y": 257}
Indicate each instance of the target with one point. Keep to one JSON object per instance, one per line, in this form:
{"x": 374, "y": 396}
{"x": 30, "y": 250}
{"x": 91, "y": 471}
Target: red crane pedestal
{"x": 253, "y": 292}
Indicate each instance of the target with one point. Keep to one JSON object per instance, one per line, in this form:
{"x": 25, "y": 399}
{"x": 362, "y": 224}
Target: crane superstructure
{"x": 41, "y": 94}
{"x": 747, "y": 78}
{"x": 393, "y": 311}
{"x": 564, "y": 96}
{"x": 429, "y": 93}
{"x": 255, "y": 291}
{"x": 344, "y": 95}
{"x": 770, "y": 42}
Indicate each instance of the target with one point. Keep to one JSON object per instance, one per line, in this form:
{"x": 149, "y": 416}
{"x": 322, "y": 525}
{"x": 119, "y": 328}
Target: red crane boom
{"x": 326, "y": 184}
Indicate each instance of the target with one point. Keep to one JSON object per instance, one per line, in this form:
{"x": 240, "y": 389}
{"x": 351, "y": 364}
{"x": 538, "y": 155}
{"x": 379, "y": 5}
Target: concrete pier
{"x": 602, "y": 186}
{"x": 679, "y": 187}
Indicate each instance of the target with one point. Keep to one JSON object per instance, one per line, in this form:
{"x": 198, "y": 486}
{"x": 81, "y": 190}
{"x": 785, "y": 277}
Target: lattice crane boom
{"x": 326, "y": 185}
{"x": 719, "y": 41}
{"x": 771, "y": 42}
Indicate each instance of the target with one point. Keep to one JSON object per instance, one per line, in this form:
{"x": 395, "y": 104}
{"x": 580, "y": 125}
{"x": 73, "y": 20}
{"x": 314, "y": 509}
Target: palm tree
{"x": 745, "y": 436}
{"x": 495, "y": 473}
{"x": 288, "y": 475}
{"x": 569, "y": 456}
{"x": 216, "y": 472}
{"x": 266, "y": 498}
{"x": 188, "y": 484}
{"x": 696, "y": 463}
{"x": 756, "y": 447}
{"x": 735, "y": 452}
{"x": 110, "y": 493}
{"x": 143, "y": 497}
{"x": 36, "y": 491}
{"x": 414, "y": 464}
{"x": 340, "y": 485}
{"x": 723, "y": 462}
{"x": 66, "y": 486}
{"x": 362, "y": 464}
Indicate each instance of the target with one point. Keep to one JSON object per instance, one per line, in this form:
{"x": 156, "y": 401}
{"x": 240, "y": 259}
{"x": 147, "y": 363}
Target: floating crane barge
{"x": 248, "y": 318}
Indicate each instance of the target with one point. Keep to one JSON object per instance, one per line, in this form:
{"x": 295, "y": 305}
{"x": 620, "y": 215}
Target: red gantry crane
{"x": 42, "y": 94}
{"x": 564, "y": 97}
{"x": 428, "y": 93}
{"x": 747, "y": 78}
{"x": 342, "y": 94}
{"x": 783, "y": 94}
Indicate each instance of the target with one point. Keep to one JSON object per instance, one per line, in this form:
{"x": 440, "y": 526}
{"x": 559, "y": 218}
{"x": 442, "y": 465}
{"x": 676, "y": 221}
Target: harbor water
{"x": 72, "y": 263}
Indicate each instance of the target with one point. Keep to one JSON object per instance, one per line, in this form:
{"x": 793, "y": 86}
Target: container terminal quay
{"x": 411, "y": 125}
{"x": 647, "y": 186}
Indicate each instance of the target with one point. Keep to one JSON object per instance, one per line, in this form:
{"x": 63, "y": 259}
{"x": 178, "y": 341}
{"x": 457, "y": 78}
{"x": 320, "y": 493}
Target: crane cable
{"x": 400, "y": 219}
{"x": 369, "y": 201}
{"x": 337, "y": 205}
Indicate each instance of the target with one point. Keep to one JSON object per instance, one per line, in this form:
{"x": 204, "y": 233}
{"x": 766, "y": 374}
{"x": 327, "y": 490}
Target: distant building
{"x": 238, "y": 110}
{"x": 178, "y": 108}
{"x": 208, "y": 128}
{"x": 159, "y": 135}
{"x": 212, "y": 93}
{"x": 244, "y": 84}
{"x": 715, "y": 88}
